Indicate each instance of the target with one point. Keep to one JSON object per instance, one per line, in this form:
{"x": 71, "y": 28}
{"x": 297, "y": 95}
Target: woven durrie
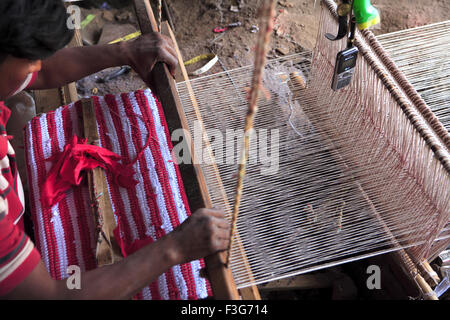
{"x": 154, "y": 207}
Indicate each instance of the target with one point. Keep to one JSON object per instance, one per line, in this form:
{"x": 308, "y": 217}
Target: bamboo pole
{"x": 267, "y": 15}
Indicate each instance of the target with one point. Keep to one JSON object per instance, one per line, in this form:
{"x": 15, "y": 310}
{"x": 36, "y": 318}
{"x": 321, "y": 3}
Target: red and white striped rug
{"x": 153, "y": 208}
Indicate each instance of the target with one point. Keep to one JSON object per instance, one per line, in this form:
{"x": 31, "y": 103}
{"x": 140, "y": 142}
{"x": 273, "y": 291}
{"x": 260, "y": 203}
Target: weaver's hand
{"x": 144, "y": 52}
{"x": 205, "y": 232}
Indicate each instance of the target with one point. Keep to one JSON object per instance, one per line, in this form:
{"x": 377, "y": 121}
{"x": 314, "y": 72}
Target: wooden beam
{"x": 428, "y": 273}
{"x": 101, "y": 209}
{"x": 221, "y": 278}
{"x": 247, "y": 293}
{"x": 303, "y": 282}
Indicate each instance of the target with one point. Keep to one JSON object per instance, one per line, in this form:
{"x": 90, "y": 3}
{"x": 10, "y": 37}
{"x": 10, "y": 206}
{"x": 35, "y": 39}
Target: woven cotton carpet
{"x": 154, "y": 207}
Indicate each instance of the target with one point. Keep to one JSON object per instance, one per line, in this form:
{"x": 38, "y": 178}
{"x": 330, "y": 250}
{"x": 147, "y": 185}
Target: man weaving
{"x": 33, "y": 34}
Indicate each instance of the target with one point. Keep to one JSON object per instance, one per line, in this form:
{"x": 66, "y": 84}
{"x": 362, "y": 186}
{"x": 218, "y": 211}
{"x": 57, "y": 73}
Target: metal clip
{"x": 343, "y": 10}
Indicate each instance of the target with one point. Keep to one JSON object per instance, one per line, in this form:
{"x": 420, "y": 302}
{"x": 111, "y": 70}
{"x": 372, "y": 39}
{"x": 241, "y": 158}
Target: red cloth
{"x": 77, "y": 157}
{"x": 9, "y": 188}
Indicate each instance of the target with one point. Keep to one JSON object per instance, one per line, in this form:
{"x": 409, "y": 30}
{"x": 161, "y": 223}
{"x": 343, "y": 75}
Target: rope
{"x": 159, "y": 9}
{"x": 267, "y": 15}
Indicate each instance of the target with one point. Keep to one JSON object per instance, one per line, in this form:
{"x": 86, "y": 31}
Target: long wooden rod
{"x": 267, "y": 15}
{"x": 102, "y": 213}
{"x": 247, "y": 293}
{"x": 221, "y": 278}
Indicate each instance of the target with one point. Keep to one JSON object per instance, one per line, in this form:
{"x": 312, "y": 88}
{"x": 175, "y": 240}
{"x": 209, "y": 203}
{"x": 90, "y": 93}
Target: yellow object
{"x": 208, "y": 56}
{"x": 87, "y": 20}
{"x": 368, "y": 24}
{"x": 127, "y": 37}
{"x": 199, "y": 58}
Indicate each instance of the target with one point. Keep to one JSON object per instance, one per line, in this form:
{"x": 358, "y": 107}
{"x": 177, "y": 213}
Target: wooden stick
{"x": 50, "y": 99}
{"x": 428, "y": 293}
{"x": 267, "y": 14}
{"x": 428, "y": 273}
{"x": 251, "y": 292}
{"x": 99, "y": 196}
{"x": 220, "y": 277}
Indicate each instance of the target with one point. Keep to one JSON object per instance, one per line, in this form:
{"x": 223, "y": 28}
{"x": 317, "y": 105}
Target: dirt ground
{"x": 194, "y": 20}
{"x": 295, "y": 25}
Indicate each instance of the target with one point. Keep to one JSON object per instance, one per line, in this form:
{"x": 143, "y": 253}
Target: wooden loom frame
{"x": 420, "y": 271}
{"x": 220, "y": 276}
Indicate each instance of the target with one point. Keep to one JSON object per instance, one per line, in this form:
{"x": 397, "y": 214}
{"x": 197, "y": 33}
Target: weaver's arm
{"x": 71, "y": 64}
{"x": 204, "y": 233}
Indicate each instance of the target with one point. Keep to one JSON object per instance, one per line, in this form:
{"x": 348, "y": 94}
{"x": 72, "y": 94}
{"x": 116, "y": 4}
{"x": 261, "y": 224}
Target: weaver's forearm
{"x": 205, "y": 232}
{"x": 126, "y": 278}
{"x": 121, "y": 280}
{"x": 72, "y": 64}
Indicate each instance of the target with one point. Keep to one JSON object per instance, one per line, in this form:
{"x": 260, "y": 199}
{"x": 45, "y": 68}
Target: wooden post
{"x": 247, "y": 293}
{"x": 107, "y": 252}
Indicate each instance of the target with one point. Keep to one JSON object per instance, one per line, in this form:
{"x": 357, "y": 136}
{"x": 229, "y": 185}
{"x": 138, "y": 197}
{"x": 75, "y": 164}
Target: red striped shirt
{"x": 18, "y": 256}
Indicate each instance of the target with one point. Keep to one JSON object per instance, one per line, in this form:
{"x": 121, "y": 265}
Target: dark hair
{"x": 32, "y": 29}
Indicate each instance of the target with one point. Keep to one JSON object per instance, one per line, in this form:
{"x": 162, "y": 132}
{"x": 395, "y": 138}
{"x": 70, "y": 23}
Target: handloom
{"x": 361, "y": 172}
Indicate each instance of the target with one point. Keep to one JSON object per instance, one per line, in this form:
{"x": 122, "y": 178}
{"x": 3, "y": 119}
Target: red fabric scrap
{"x": 77, "y": 157}
{"x": 220, "y": 30}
